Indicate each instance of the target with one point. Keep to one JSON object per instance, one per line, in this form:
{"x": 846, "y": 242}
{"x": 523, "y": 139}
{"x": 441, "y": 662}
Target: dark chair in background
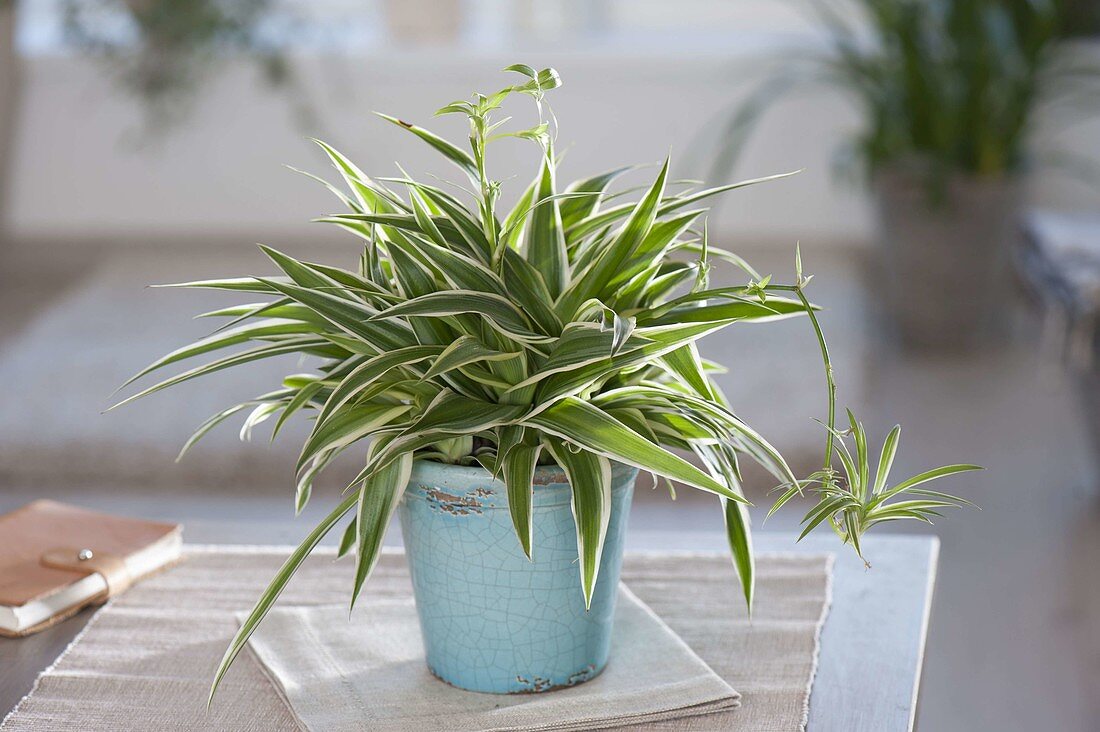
{"x": 1059, "y": 263}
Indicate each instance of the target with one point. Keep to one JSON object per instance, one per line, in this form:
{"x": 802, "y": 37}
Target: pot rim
{"x": 545, "y": 475}
{"x": 427, "y": 473}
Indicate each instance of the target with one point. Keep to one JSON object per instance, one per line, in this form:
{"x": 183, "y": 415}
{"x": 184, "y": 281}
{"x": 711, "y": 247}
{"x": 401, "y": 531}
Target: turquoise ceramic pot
{"x": 493, "y": 620}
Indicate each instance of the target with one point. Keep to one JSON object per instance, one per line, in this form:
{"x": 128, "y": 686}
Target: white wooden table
{"x": 872, "y": 645}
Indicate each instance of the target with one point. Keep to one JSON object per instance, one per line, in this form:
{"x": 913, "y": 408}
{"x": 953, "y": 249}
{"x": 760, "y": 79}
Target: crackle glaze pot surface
{"x": 492, "y": 620}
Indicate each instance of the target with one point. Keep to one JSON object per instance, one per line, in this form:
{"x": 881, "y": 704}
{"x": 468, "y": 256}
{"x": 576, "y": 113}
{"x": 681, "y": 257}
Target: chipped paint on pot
{"x": 492, "y": 620}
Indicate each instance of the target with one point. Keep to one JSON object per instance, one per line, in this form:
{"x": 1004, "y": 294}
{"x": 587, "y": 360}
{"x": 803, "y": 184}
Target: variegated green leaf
{"x": 545, "y": 246}
{"x": 456, "y": 155}
{"x": 301, "y": 399}
{"x": 351, "y": 317}
{"x": 465, "y": 350}
{"x": 275, "y": 588}
{"x": 739, "y": 536}
{"x": 589, "y": 476}
{"x": 592, "y": 281}
{"x": 576, "y": 208}
{"x": 350, "y": 425}
{"x": 518, "y": 469}
{"x": 498, "y": 311}
{"x": 233, "y": 284}
{"x": 378, "y": 499}
{"x": 595, "y": 430}
{"x": 280, "y": 348}
{"x": 261, "y": 331}
{"x": 886, "y": 458}
{"x": 225, "y": 414}
{"x": 370, "y": 371}
{"x": 606, "y": 218}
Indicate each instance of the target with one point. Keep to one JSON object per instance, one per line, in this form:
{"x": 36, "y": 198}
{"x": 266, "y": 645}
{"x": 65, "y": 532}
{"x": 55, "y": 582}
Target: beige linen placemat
{"x": 146, "y": 659}
{"x": 367, "y": 672}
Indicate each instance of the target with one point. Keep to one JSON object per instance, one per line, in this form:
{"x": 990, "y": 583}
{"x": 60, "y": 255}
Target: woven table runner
{"x": 146, "y": 659}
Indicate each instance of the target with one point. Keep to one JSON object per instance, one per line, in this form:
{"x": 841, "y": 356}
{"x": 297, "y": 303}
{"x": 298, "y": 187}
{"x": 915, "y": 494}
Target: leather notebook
{"x": 56, "y": 559}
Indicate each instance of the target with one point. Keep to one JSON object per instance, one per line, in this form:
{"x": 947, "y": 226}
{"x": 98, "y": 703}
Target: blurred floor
{"x": 1014, "y": 639}
{"x": 1015, "y": 636}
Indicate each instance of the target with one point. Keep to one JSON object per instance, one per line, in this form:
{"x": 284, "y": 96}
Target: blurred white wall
{"x": 78, "y": 176}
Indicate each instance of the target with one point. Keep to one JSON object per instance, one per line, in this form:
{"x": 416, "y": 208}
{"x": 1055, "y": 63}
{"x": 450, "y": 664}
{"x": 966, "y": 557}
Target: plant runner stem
{"x": 829, "y": 378}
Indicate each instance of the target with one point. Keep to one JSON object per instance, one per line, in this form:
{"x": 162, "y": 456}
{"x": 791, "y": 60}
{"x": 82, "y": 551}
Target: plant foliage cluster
{"x": 563, "y": 330}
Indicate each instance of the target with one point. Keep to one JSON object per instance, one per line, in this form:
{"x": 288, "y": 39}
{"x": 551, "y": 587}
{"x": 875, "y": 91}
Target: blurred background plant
{"x": 161, "y": 51}
{"x": 950, "y": 93}
{"x": 944, "y": 87}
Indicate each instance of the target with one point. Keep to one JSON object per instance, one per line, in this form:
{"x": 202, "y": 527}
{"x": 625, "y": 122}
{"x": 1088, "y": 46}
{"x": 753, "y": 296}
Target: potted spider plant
{"x": 950, "y": 93}
{"x": 502, "y": 378}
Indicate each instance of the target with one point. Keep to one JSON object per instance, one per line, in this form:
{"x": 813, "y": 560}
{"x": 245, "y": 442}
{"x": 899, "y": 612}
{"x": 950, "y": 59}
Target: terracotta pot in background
{"x": 942, "y": 265}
